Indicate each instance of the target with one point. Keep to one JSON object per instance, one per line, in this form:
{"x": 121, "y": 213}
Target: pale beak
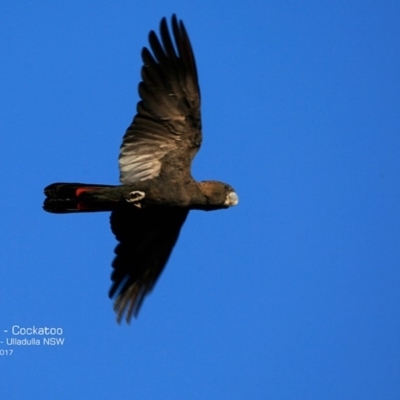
{"x": 232, "y": 199}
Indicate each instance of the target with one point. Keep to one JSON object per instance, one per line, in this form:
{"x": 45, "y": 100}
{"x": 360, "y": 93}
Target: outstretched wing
{"x": 168, "y": 114}
{"x": 147, "y": 237}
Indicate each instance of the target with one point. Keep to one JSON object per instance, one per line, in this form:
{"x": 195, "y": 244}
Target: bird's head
{"x": 218, "y": 194}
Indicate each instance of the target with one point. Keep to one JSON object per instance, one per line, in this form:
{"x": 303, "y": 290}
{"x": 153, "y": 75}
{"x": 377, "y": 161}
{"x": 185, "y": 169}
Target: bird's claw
{"x": 135, "y": 197}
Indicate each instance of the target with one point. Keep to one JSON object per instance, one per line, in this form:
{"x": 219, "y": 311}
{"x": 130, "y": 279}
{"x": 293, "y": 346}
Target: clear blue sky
{"x": 294, "y": 293}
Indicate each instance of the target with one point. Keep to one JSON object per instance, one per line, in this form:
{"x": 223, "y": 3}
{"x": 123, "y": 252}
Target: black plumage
{"x": 157, "y": 191}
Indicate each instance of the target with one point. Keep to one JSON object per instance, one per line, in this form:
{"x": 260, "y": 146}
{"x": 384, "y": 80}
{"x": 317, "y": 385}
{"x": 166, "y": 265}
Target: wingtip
{"x": 174, "y": 19}
{"x": 129, "y": 302}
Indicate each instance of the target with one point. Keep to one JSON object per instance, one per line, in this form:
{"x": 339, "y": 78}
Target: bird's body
{"x": 157, "y": 191}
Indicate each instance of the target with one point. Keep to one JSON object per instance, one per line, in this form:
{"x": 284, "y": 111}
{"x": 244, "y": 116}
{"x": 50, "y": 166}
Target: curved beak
{"x": 232, "y": 199}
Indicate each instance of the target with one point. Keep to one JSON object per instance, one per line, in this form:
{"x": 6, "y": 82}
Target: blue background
{"x": 294, "y": 293}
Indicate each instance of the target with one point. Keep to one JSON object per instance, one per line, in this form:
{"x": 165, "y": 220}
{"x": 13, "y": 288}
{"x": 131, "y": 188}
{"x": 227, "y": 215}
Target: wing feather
{"x": 146, "y": 239}
{"x": 168, "y": 115}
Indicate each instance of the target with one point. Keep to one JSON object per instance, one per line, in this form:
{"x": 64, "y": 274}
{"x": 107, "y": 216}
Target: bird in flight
{"x": 157, "y": 189}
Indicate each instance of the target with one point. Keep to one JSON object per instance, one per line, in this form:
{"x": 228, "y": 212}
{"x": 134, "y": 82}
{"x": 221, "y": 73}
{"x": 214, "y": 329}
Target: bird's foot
{"x": 135, "y": 197}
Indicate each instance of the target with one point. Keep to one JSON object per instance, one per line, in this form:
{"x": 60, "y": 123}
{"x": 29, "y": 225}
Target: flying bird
{"x": 157, "y": 189}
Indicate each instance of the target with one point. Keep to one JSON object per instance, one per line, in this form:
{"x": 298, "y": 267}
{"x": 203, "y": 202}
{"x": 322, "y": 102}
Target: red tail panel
{"x": 67, "y": 198}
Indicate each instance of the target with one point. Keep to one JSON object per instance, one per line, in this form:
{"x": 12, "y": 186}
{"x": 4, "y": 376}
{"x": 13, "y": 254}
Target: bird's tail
{"x": 78, "y": 197}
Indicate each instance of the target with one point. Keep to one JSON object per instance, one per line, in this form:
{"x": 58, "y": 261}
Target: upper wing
{"x": 168, "y": 114}
{"x": 147, "y": 237}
